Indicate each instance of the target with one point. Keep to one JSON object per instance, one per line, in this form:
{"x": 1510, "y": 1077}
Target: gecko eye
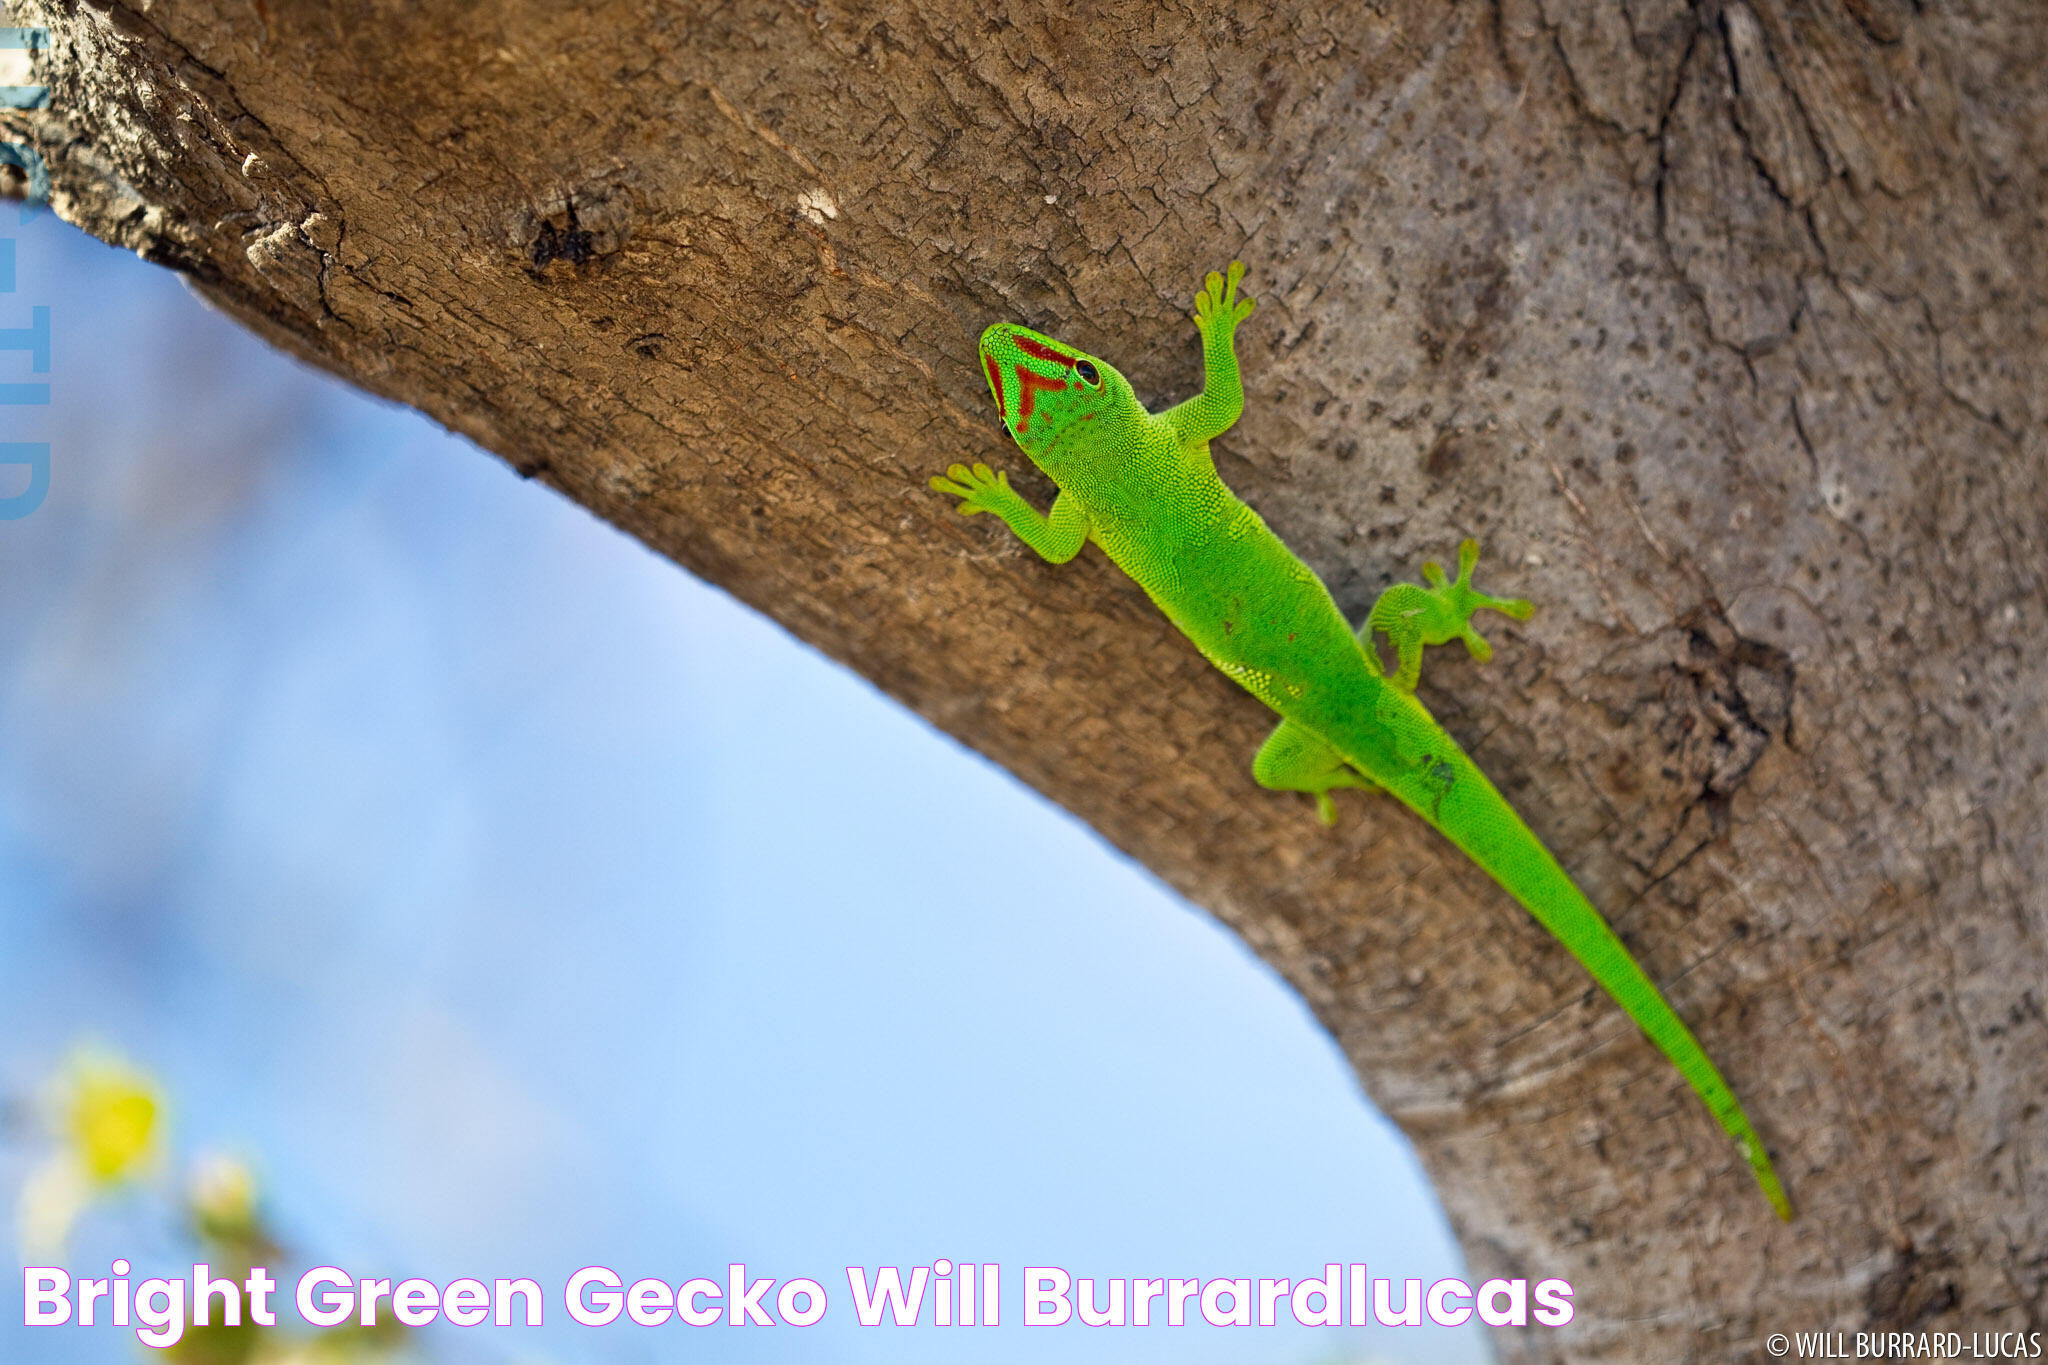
{"x": 1087, "y": 373}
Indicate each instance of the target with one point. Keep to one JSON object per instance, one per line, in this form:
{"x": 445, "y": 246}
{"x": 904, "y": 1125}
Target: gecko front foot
{"x": 1413, "y": 617}
{"x": 1218, "y": 307}
{"x": 979, "y": 488}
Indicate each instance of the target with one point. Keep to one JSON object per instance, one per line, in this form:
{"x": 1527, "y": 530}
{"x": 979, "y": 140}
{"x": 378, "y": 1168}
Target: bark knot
{"x": 1726, "y": 698}
{"x": 575, "y": 227}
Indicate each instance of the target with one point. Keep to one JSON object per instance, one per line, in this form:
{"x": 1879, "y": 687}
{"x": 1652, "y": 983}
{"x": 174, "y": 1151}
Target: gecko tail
{"x": 1472, "y": 814}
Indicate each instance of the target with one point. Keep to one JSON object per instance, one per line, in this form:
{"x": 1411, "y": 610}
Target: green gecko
{"x": 1143, "y": 487}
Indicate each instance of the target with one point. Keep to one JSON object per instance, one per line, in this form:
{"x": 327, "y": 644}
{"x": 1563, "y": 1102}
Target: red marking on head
{"x": 1028, "y": 385}
{"x": 1043, "y": 351}
{"x": 995, "y": 379}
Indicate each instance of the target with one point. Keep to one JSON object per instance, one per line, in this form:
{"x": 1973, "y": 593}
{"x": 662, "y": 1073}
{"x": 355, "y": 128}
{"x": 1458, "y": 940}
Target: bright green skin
{"x": 1144, "y": 489}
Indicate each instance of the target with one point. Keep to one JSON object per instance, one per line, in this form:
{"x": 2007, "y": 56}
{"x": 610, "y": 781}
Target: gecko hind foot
{"x": 1414, "y": 617}
{"x": 1295, "y": 760}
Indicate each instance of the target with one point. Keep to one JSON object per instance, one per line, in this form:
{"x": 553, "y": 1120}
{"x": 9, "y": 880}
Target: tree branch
{"x": 1771, "y": 469}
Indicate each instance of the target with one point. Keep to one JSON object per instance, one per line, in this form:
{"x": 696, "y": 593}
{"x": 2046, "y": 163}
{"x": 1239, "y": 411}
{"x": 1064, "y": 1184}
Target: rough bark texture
{"x": 1720, "y": 324}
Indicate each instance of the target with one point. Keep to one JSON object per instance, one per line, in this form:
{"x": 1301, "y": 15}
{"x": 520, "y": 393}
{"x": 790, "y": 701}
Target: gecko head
{"x": 1050, "y": 395}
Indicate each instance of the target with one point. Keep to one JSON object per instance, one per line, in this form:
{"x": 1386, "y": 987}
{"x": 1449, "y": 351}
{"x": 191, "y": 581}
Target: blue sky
{"x": 516, "y": 902}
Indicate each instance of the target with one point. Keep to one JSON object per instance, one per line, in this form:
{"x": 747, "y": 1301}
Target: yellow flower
{"x": 112, "y": 1118}
{"x": 108, "y": 1124}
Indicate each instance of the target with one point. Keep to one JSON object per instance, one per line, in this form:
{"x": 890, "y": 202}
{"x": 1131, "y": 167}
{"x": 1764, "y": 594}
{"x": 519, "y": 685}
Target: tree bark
{"x": 1719, "y": 324}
